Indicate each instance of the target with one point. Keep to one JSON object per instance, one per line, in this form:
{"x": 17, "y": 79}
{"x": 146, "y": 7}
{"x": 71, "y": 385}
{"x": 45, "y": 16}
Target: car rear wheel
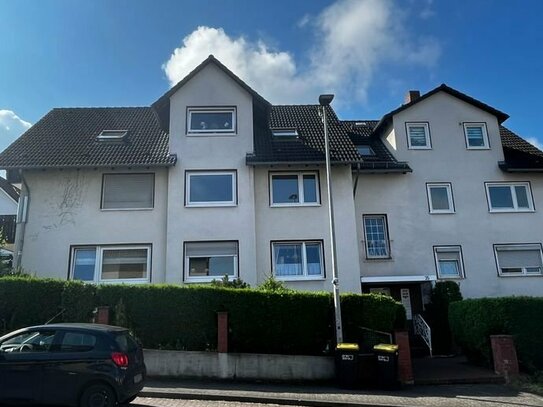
{"x": 98, "y": 395}
{"x": 129, "y": 400}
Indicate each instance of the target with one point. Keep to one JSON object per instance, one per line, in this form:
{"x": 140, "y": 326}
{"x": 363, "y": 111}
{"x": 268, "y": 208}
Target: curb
{"x": 258, "y": 399}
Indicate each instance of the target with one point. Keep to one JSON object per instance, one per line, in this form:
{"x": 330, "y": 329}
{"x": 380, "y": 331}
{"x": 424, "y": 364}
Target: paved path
{"x": 488, "y": 395}
{"x": 146, "y": 401}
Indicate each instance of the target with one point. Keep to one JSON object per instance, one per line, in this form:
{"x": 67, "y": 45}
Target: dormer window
{"x": 285, "y": 134}
{"x": 365, "y": 151}
{"x": 112, "y": 135}
{"x": 221, "y": 120}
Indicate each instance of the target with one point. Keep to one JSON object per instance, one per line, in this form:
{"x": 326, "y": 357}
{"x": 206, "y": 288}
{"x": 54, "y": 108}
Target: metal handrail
{"x": 423, "y": 330}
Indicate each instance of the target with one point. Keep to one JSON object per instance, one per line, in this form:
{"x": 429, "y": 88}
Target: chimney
{"x": 411, "y": 96}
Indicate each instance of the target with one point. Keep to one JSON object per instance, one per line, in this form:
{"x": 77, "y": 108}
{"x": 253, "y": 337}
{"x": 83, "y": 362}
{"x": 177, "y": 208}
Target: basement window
{"x": 112, "y": 135}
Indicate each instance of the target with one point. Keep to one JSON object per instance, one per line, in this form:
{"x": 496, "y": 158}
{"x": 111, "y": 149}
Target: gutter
{"x": 505, "y": 167}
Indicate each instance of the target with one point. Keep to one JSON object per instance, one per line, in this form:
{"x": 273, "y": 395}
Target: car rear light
{"x": 120, "y": 359}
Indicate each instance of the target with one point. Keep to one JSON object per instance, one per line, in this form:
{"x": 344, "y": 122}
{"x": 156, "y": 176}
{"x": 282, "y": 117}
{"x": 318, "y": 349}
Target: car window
{"x": 77, "y": 342}
{"x": 29, "y": 342}
{"x": 126, "y": 342}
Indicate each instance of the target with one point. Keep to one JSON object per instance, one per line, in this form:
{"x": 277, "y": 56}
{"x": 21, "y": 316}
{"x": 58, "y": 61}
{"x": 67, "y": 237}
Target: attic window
{"x": 112, "y": 135}
{"x": 360, "y": 124}
{"x": 285, "y": 133}
{"x": 365, "y": 151}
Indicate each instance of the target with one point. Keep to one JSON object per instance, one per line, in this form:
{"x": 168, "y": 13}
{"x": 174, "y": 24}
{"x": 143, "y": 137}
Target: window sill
{"x": 207, "y": 280}
{"x": 442, "y": 213}
{"x": 519, "y": 275}
{"x": 208, "y": 205}
{"x": 303, "y": 205}
{"x": 301, "y": 279}
{"x": 511, "y": 211}
{"x": 211, "y": 134}
{"x": 125, "y": 209}
{"x": 477, "y": 148}
{"x": 377, "y": 259}
{"x": 419, "y": 148}
{"x": 125, "y": 281}
{"x": 439, "y": 278}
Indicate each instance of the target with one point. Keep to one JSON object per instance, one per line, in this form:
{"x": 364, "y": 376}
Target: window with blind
{"x": 418, "y": 136}
{"x": 111, "y": 263}
{"x": 476, "y": 136}
{"x": 298, "y": 260}
{"x": 208, "y": 261}
{"x": 519, "y": 260}
{"x": 449, "y": 262}
{"x": 128, "y": 191}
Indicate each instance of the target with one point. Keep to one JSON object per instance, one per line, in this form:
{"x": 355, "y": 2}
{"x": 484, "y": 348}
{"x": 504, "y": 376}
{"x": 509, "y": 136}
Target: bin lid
{"x": 347, "y": 346}
{"x": 386, "y": 347}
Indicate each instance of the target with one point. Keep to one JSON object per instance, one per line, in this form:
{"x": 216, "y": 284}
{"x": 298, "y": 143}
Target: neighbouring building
{"x": 212, "y": 179}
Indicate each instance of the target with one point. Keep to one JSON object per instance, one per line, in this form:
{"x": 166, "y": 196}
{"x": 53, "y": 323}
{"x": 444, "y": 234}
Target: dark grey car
{"x": 71, "y": 364}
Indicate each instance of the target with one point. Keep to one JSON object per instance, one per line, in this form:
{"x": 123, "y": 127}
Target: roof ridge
{"x": 102, "y": 107}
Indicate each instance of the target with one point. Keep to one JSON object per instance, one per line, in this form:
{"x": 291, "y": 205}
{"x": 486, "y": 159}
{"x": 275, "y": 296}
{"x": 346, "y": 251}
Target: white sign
{"x": 406, "y": 302}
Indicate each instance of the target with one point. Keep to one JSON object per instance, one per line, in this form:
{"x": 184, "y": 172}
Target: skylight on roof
{"x": 287, "y": 133}
{"x": 112, "y": 135}
{"x": 360, "y": 124}
{"x": 365, "y": 150}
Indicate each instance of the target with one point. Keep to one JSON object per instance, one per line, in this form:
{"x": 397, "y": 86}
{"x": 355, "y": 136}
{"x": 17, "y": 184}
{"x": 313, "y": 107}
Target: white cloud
{"x": 535, "y": 142}
{"x": 11, "y": 127}
{"x": 353, "y": 38}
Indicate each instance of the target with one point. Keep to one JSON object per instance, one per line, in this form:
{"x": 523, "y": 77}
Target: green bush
{"x": 185, "y": 317}
{"x": 473, "y": 321}
{"x": 437, "y": 311}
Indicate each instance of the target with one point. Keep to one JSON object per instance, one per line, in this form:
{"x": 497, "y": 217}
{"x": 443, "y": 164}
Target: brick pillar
{"x": 505, "y": 356}
{"x": 101, "y": 315}
{"x": 405, "y": 367}
{"x": 222, "y": 332}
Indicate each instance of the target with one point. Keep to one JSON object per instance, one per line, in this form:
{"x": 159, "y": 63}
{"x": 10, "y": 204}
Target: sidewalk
{"x": 329, "y": 396}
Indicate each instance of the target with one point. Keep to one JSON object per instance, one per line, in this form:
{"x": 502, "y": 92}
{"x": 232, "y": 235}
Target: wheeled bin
{"x": 387, "y": 365}
{"x": 347, "y": 365}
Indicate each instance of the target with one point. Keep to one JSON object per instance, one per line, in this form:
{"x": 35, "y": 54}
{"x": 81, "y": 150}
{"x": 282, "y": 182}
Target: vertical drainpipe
{"x": 22, "y": 213}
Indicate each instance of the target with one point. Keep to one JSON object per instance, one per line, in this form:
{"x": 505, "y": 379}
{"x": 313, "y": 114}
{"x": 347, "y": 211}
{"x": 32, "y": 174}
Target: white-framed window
{"x": 519, "y": 259}
{"x": 297, "y": 260}
{"x": 294, "y": 188}
{"x": 418, "y": 136}
{"x": 128, "y": 191}
{"x": 211, "y": 188}
{"x": 476, "y": 136}
{"x": 123, "y": 263}
{"x": 209, "y": 120}
{"x": 208, "y": 261}
{"x": 376, "y": 236}
{"x": 509, "y": 196}
{"x": 440, "y": 197}
{"x": 449, "y": 262}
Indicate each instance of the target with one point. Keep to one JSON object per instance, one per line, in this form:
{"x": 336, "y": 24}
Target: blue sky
{"x": 60, "y": 53}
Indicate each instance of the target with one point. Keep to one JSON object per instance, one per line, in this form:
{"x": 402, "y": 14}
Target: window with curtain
{"x": 293, "y": 260}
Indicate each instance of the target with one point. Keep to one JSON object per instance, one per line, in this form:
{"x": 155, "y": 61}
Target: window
{"x": 476, "y": 136}
{"x": 112, "y": 135}
{"x": 128, "y": 191}
{"x": 211, "y": 188}
{"x": 418, "y": 136}
{"x": 111, "y": 263}
{"x": 288, "y": 189}
{"x": 206, "y": 261}
{"x": 509, "y": 197}
{"x": 375, "y": 230}
{"x": 285, "y": 133}
{"x": 77, "y": 342}
{"x": 440, "y": 198}
{"x": 298, "y": 260}
{"x": 29, "y": 342}
{"x": 519, "y": 259}
{"x": 212, "y": 120}
{"x": 449, "y": 262}
{"x": 365, "y": 151}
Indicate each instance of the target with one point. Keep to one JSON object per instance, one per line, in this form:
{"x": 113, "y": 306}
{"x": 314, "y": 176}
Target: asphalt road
{"x": 147, "y": 402}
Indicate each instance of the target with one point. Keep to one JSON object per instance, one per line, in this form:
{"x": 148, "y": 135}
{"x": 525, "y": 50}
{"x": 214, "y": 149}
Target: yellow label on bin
{"x": 385, "y": 347}
{"x": 347, "y": 346}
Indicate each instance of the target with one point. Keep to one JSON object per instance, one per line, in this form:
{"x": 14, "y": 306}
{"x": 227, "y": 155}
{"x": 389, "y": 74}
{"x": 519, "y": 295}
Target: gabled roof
{"x": 162, "y": 105}
{"x": 13, "y": 192}
{"x": 518, "y": 153}
{"x": 308, "y": 147}
{"x": 387, "y": 118}
{"x": 66, "y": 138}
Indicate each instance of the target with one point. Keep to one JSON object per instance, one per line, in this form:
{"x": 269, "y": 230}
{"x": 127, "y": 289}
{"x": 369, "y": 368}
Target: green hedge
{"x": 185, "y": 317}
{"x": 473, "y": 321}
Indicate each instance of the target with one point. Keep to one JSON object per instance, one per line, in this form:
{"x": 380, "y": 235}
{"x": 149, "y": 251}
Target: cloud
{"x": 535, "y": 142}
{"x": 352, "y": 40}
{"x": 11, "y": 127}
